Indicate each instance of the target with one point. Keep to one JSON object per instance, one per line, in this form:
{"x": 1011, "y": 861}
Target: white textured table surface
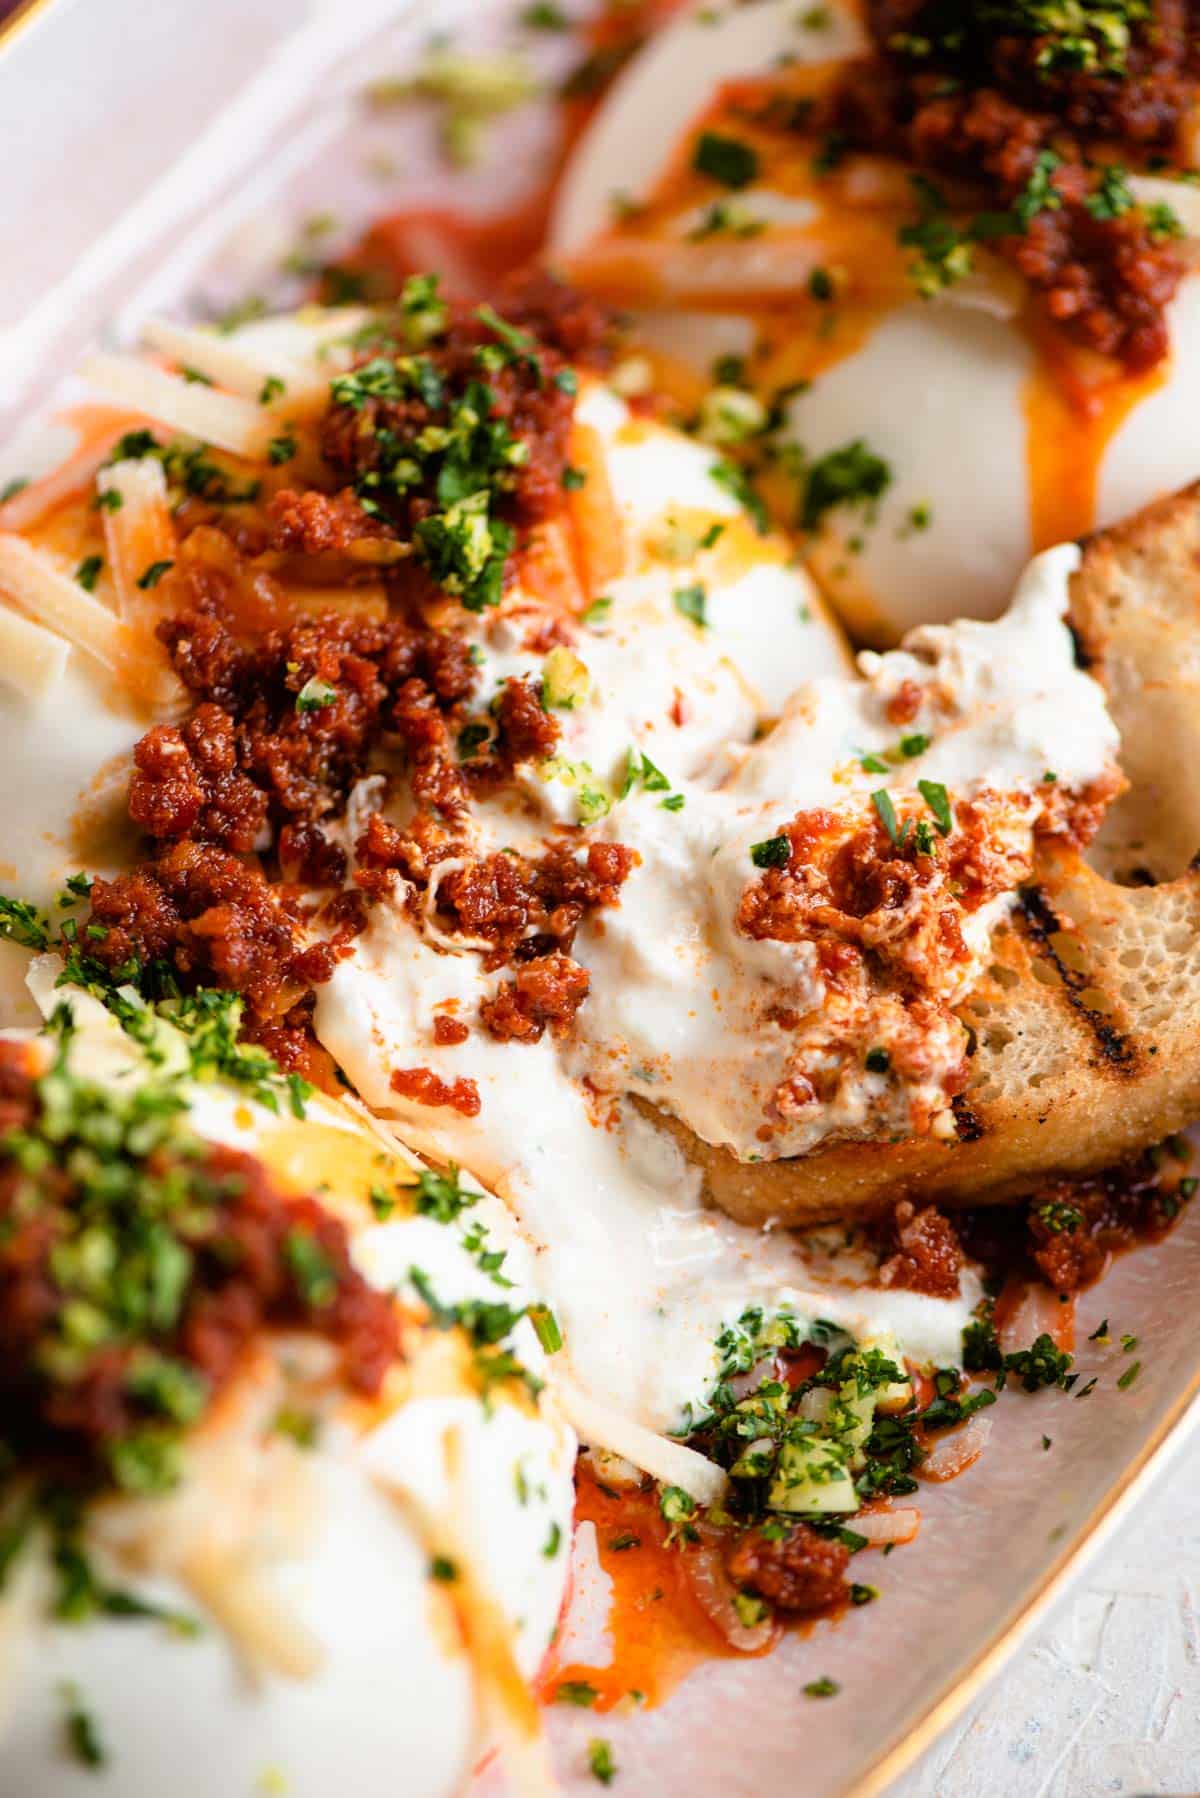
{"x": 1105, "y": 1697}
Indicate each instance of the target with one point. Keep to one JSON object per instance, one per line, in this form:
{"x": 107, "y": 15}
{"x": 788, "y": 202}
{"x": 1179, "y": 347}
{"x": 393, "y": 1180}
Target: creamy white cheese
{"x": 642, "y": 1277}
{"x": 681, "y": 1003}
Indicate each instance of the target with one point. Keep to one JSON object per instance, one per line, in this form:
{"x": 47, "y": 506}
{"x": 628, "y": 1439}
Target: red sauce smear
{"x": 659, "y": 1630}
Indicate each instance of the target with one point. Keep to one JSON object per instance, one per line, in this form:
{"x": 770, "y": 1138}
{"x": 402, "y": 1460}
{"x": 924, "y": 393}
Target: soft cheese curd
{"x": 684, "y": 1009}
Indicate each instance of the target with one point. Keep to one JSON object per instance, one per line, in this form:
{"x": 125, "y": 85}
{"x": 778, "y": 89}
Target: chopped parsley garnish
{"x": 546, "y": 1327}
{"x": 11, "y": 488}
{"x": 153, "y": 574}
{"x": 441, "y": 1196}
{"x": 1040, "y": 1365}
{"x": 1058, "y": 1217}
{"x": 443, "y": 1569}
{"x": 881, "y": 799}
{"x": 730, "y": 415}
{"x": 640, "y": 770}
{"x": 311, "y": 1269}
{"x": 566, "y": 681}
{"x": 82, "y": 1731}
{"x": 851, "y": 476}
{"x": 831, "y": 154}
{"x": 788, "y": 1457}
{"x": 460, "y": 464}
{"x": 597, "y": 613}
{"x": 544, "y": 15}
{"x": 935, "y": 796}
{"x": 726, "y": 218}
{"x": 188, "y": 467}
{"x": 678, "y": 1508}
{"x": 1163, "y": 222}
{"x": 981, "y": 1346}
{"x": 822, "y": 1688}
{"x": 242, "y": 312}
{"x": 772, "y": 852}
{"x": 553, "y": 1542}
{"x": 725, "y": 159}
{"x": 692, "y": 603}
{"x": 1113, "y": 196}
{"x": 423, "y": 312}
{"x": 315, "y": 695}
{"x": 576, "y": 1691}
{"x": 949, "y": 1406}
{"x": 486, "y": 1324}
{"x": 1087, "y": 35}
{"x": 593, "y": 804}
{"x": 943, "y": 251}
{"x": 299, "y": 1426}
{"x": 601, "y": 1764}
{"x": 1039, "y": 193}
{"x": 515, "y": 345}
{"x": 471, "y": 738}
{"x": 281, "y": 449}
{"x": 272, "y": 389}
{"x": 80, "y": 1593}
{"x": 1130, "y": 1375}
{"x": 878, "y": 1061}
{"x": 132, "y": 1201}
{"x": 488, "y": 1261}
{"x": 737, "y": 482}
{"x": 469, "y": 90}
{"x": 22, "y": 923}
{"x": 88, "y": 572}
{"x": 906, "y": 750}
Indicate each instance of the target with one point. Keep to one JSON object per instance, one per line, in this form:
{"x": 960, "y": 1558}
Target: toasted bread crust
{"x": 1087, "y": 1022}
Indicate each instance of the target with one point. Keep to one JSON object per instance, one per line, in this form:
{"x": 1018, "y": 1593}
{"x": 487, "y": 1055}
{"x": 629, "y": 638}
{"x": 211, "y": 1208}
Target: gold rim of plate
{"x": 954, "y": 1697}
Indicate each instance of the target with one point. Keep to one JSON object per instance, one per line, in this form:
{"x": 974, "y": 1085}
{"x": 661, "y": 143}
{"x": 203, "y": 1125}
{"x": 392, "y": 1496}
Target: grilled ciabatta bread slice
{"x": 1087, "y": 1023}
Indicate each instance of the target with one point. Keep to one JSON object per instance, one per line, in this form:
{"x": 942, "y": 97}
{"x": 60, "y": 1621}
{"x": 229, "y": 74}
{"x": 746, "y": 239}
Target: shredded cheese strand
{"x": 267, "y": 1634}
{"x": 31, "y": 657}
{"x": 509, "y": 1705}
{"x": 671, "y": 1463}
{"x": 43, "y": 592}
{"x": 139, "y": 532}
{"x": 222, "y": 419}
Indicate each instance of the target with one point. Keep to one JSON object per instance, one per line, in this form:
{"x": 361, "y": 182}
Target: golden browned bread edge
{"x": 1087, "y": 1024}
